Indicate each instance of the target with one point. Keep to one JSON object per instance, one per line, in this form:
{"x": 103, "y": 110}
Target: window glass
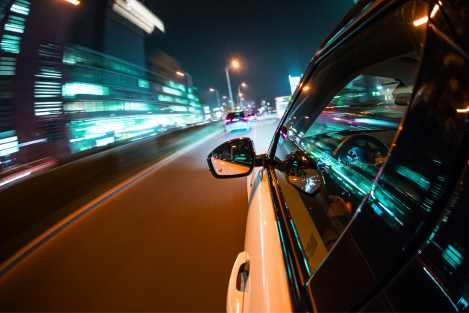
{"x": 330, "y": 164}
{"x": 444, "y": 260}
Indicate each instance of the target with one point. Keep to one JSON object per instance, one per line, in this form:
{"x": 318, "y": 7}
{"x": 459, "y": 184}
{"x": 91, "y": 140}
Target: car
{"x": 252, "y": 117}
{"x": 237, "y": 121}
{"x": 360, "y": 203}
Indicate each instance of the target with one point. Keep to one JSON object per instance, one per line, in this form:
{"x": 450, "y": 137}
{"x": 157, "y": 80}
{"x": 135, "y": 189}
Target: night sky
{"x": 271, "y": 38}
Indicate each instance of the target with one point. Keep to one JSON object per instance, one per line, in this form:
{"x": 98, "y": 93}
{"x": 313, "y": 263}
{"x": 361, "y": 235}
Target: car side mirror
{"x": 234, "y": 158}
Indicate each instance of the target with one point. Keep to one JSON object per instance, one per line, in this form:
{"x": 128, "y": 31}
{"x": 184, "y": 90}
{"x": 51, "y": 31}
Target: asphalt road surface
{"x": 163, "y": 241}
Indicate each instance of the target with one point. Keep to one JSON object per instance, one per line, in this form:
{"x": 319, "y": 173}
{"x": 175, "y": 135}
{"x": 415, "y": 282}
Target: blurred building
{"x": 115, "y": 27}
{"x": 74, "y": 76}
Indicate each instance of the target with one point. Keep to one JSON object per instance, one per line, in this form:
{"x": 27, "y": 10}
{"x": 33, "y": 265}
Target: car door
{"x": 258, "y": 281}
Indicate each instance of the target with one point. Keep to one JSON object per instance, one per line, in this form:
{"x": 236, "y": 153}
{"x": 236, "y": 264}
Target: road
{"x": 164, "y": 241}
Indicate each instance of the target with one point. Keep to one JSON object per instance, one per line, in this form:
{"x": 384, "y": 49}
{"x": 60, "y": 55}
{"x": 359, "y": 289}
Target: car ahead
{"x": 237, "y": 121}
{"x": 361, "y": 201}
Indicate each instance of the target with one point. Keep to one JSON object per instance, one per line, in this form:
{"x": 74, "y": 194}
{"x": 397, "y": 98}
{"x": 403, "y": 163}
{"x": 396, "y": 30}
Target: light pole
{"x": 235, "y": 65}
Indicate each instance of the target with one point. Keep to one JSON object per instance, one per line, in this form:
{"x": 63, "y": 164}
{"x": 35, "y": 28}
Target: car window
{"x": 347, "y": 145}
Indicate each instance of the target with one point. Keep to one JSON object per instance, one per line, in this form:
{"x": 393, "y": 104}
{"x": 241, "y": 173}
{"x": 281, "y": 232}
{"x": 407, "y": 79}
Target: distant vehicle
{"x": 237, "y": 121}
{"x": 251, "y": 116}
{"x": 361, "y": 202}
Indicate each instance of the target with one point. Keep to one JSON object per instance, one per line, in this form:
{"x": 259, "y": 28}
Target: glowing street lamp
{"x": 240, "y": 94}
{"x": 187, "y": 76}
{"x": 235, "y": 64}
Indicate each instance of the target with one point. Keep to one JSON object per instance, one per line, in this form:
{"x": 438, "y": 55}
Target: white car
{"x": 237, "y": 121}
{"x": 360, "y": 202}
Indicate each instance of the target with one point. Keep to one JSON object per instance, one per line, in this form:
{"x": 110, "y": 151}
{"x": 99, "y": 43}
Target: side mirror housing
{"x": 234, "y": 158}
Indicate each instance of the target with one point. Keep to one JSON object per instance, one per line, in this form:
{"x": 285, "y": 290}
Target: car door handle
{"x": 237, "y": 284}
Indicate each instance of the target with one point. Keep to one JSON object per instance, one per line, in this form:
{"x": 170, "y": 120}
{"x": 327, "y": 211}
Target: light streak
{"x": 137, "y": 13}
{"x": 74, "y": 2}
{"x": 424, "y": 20}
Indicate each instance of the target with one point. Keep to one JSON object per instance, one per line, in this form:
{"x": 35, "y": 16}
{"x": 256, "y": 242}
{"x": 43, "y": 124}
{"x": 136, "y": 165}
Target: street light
{"x": 234, "y": 64}
{"x": 240, "y": 94}
{"x": 217, "y": 94}
{"x": 188, "y": 77}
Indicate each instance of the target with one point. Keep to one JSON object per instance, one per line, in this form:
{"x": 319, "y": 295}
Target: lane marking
{"x": 39, "y": 241}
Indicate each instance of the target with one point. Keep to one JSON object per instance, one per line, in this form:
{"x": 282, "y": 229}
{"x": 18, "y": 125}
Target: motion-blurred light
{"x": 73, "y": 89}
{"x": 74, "y": 2}
{"x": 138, "y": 14}
{"x": 294, "y": 82}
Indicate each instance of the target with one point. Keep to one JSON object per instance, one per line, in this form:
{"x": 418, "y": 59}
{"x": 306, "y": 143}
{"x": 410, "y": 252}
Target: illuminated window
{"x": 15, "y": 24}
{"x": 7, "y": 66}
{"x": 142, "y": 83}
{"x": 8, "y": 143}
{"x": 10, "y": 43}
{"x": 74, "y": 89}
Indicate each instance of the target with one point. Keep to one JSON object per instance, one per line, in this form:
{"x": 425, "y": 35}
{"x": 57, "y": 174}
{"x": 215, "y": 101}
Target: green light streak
{"x": 172, "y": 91}
{"x": 10, "y": 43}
{"x": 7, "y": 66}
{"x": 177, "y": 86}
{"x": 415, "y": 177}
{"x": 452, "y": 256}
{"x": 76, "y": 88}
{"x": 8, "y": 143}
{"x": 142, "y": 83}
